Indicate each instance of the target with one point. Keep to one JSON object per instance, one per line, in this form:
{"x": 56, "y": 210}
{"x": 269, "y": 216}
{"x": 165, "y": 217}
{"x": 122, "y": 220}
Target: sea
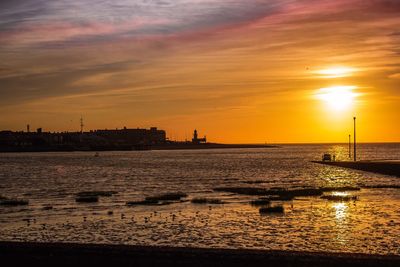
{"x": 51, "y": 181}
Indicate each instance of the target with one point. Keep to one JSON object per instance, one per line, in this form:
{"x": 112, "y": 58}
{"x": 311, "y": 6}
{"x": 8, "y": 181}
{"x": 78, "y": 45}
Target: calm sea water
{"x": 369, "y": 225}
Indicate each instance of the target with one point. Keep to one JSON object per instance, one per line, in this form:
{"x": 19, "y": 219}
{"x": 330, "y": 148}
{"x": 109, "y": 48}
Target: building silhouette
{"x": 197, "y": 140}
{"x": 118, "y": 139}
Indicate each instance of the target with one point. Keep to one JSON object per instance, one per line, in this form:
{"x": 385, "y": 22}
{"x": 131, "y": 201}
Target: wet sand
{"x": 67, "y": 254}
{"x": 381, "y": 167}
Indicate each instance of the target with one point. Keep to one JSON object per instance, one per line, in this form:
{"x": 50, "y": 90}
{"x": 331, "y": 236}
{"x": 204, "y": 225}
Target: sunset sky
{"x": 239, "y": 71}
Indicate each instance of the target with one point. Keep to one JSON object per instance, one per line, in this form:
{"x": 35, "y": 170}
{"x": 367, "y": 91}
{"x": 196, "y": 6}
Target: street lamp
{"x": 355, "y": 149}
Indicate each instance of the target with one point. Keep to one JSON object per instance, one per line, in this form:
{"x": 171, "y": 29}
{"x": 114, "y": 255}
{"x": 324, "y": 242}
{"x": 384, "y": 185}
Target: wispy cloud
{"x": 46, "y": 21}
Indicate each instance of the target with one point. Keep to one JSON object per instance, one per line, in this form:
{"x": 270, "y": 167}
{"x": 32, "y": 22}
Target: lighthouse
{"x": 197, "y": 140}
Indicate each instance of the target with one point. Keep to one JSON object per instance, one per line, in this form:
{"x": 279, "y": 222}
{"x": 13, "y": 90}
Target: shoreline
{"x": 68, "y": 254}
{"x": 209, "y": 146}
{"x": 176, "y": 146}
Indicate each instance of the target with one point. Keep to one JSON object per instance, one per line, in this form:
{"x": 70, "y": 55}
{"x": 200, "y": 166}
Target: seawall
{"x": 382, "y": 167}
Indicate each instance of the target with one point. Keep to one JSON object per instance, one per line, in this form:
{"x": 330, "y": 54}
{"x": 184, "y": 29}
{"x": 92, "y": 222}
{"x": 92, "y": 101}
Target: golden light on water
{"x": 342, "y": 194}
{"x": 337, "y": 97}
{"x": 335, "y": 72}
{"x": 340, "y": 211}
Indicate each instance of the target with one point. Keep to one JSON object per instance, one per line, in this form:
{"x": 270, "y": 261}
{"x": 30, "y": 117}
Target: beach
{"x": 206, "y": 199}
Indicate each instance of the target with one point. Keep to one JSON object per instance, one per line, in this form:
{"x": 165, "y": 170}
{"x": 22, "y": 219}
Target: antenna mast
{"x": 355, "y": 149}
{"x": 349, "y": 146}
{"x": 82, "y": 124}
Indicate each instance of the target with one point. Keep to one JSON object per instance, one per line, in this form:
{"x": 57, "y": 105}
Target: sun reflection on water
{"x": 340, "y": 210}
{"x": 341, "y": 213}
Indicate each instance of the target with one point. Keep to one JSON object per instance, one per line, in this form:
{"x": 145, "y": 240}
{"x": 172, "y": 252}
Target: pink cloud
{"x": 58, "y": 31}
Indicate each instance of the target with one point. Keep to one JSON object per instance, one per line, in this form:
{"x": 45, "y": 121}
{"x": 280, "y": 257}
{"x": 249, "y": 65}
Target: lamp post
{"x": 349, "y": 146}
{"x": 355, "y": 149}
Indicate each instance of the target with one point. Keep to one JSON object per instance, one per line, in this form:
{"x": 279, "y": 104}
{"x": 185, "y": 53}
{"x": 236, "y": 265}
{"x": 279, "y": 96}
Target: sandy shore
{"x": 63, "y": 254}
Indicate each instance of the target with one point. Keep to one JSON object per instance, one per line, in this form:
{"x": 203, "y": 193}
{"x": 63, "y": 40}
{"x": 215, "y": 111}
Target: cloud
{"x": 62, "y": 20}
{"x": 394, "y": 76}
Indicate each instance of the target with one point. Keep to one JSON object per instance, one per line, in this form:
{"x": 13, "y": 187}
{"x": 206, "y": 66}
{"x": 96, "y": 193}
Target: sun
{"x": 337, "y": 97}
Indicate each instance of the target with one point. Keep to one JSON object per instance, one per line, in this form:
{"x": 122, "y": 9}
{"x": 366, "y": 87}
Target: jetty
{"x": 387, "y": 167}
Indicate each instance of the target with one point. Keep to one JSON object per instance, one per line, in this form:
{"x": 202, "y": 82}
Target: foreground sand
{"x": 59, "y": 254}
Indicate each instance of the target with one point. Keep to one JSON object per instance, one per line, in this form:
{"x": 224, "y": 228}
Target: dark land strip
{"x": 68, "y": 254}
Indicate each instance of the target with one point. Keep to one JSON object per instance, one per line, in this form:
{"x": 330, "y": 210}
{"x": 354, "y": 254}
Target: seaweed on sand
{"x": 87, "y": 199}
{"x": 287, "y": 197}
{"x": 273, "y": 209}
{"x": 206, "y": 201}
{"x": 252, "y": 191}
{"x": 383, "y": 186}
{"x": 163, "y": 199}
{"x": 13, "y": 202}
{"x": 149, "y": 203}
{"x": 96, "y": 193}
{"x": 142, "y": 202}
{"x": 260, "y": 202}
{"x": 301, "y": 192}
{"x": 282, "y": 193}
{"x": 167, "y": 196}
{"x": 254, "y": 182}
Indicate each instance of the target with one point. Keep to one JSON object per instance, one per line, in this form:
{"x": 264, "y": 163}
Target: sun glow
{"x": 335, "y": 72}
{"x": 337, "y": 97}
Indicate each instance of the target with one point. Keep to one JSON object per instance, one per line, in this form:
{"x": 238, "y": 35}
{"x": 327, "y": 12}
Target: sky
{"x": 249, "y": 71}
